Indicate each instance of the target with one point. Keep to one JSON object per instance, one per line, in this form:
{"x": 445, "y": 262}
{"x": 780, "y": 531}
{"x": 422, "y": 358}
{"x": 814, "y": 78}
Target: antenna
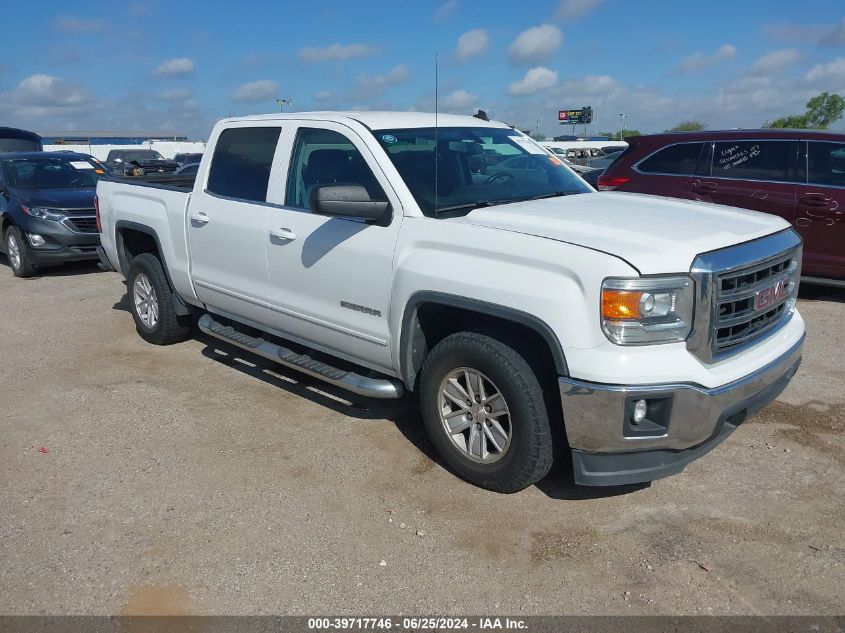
{"x": 436, "y": 135}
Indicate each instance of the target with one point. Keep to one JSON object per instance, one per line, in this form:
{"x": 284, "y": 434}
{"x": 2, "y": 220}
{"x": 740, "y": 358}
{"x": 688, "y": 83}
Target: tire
{"x": 527, "y": 455}
{"x": 151, "y": 303}
{"x": 21, "y": 263}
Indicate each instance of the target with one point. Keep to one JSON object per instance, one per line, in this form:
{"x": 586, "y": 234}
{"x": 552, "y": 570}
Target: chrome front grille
{"x": 751, "y": 301}
{"x": 743, "y": 294}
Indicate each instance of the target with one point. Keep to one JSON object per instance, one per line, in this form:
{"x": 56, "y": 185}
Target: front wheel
{"x": 151, "y": 303}
{"x": 483, "y": 409}
{"x": 17, "y": 251}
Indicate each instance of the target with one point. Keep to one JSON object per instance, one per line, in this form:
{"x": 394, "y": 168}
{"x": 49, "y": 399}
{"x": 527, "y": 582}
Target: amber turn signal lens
{"x": 620, "y": 304}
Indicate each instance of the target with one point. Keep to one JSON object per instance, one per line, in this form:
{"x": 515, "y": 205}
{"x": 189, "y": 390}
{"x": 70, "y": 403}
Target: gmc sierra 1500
{"x": 455, "y": 258}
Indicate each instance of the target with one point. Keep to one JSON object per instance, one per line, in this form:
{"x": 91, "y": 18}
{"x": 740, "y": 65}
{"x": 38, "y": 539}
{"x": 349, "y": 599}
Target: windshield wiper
{"x": 553, "y": 194}
{"x": 478, "y": 204}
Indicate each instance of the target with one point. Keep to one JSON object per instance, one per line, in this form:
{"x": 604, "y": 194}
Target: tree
{"x": 614, "y": 136}
{"x": 822, "y": 110}
{"x": 688, "y": 126}
{"x": 793, "y": 122}
{"x": 537, "y": 136}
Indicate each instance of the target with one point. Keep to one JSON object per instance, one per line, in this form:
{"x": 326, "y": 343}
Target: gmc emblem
{"x": 770, "y": 296}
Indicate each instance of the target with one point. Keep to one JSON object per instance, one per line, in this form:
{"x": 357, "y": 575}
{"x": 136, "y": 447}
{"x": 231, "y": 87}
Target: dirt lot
{"x": 193, "y": 479}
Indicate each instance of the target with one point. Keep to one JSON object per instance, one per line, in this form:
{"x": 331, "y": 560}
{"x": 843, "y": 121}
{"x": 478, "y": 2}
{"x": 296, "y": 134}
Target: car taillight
{"x": 609, "y": 183}
{"x": 97, "y": 213}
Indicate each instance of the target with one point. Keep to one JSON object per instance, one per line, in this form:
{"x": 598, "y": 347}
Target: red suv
{"x": 796, "y": 174}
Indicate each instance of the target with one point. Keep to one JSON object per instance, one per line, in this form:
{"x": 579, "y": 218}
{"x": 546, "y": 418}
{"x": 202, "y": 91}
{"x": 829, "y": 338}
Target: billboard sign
{"x": 576, "y": 117}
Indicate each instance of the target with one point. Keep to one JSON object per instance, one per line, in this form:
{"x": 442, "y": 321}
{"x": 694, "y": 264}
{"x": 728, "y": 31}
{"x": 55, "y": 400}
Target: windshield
{"x": 141, "y": 154}
{"x": 475, "y": 167}
{"x": 51, "y": 173}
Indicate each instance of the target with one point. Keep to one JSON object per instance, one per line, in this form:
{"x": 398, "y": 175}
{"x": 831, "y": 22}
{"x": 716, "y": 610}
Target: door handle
{"x": 814, "y": 201}
{"x": 200, "y": 218}
{"x": 285, "y": 235}
{"x": 704, "y": 187}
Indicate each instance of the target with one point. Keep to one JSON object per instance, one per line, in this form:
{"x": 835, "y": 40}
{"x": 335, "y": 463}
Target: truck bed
{"x": 160, "y": 181}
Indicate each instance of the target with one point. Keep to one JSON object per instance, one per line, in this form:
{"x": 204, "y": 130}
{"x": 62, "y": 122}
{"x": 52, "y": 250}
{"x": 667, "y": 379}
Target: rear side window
{"x": 752, "y": 160}
{"x": 679, "y": 160}
{"x": 826, "y": 163}
{"x": 240, "y": 167}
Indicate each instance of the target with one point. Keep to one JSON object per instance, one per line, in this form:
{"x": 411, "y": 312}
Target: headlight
{"x": 43, "y": 213}
{"x": 647, "y": 310}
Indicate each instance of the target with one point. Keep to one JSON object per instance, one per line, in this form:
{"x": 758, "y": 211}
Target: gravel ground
{"x": 196, "y": 479}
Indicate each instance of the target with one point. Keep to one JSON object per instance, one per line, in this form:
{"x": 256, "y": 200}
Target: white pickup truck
{"x": 454, "y": 258}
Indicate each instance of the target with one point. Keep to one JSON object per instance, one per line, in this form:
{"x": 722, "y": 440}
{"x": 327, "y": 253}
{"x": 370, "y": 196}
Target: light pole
{"x": 282, "y": 103}
{"x": 621, "y": 127}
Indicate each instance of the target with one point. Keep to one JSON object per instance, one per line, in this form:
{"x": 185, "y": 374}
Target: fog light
{"x": 640, "y": 411}
{"x": 35, "y": 240}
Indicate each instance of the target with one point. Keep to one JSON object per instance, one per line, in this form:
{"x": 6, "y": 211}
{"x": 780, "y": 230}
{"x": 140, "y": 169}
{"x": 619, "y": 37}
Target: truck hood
{"x": 652, "y": 233}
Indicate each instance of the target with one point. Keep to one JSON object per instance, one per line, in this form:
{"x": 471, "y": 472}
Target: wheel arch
{"x": 133, "y": 239}
{"x": 420, "y": 332}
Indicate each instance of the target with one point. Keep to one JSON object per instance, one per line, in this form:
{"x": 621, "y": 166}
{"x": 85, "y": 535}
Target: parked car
{"x": 187, "y": 159}
{"x": 561, "y": 155}
{"x": 138, "y": 162}
{"x": 798, "y": 175}
{"x": 15, "y": 140}
{"x": 591, "y": 176}
{"x": 47, "y": 209}
{"x": 604, "y": 161}
{"x": 646, "y": 329}
{"x": 189, "y": 169}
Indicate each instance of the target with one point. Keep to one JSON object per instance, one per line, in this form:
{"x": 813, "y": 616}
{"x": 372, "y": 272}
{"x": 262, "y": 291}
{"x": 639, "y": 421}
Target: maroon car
{"x": 796, "y": 174}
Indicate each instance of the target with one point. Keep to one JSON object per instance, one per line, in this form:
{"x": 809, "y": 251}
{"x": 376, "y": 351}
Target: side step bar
{"x": 384, "y": 388}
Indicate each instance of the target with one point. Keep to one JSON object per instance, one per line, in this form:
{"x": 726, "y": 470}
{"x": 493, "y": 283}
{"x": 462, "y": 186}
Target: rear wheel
{"x": 484, "y": 411}
{"x": 20, "y": 260}
{"x": 151, "y": 303}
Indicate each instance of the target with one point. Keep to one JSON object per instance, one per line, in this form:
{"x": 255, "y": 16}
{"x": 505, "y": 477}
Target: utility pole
{"x": 282, "y": 103}
{"x": 621, "y": 127}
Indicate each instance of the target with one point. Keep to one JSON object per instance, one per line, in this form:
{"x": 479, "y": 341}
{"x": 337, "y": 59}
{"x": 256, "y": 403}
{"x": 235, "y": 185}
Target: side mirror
{"x": 347, "y": 201}
{"x": 118, "y": 160}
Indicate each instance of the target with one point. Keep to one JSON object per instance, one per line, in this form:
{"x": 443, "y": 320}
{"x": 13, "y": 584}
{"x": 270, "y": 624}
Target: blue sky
{"x": 182, "y": 65}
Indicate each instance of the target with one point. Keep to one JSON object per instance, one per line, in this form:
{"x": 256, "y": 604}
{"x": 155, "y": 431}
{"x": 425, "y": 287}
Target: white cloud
{"x": 471, "y": 44}
{"x": 458, "y": 100}
{"x": 324, "y": 95}
{"x": 179, "y": 94}
{"x": 830, "y": 76}
{"x": 446, "y": 11}
{"x": 576, "y": 9}
{"x": 835, "y": 37}
{"x": 179, "y": 67}
{"x": 253, "y": 59}
{"x": 536, "y": 44}
{"x": 774, "y": 62}
{"x": 699, "y": 60}
{"x": 535, "y": 80}
{"x": 399, "y": 74}
{"x": 71, "y": 24}
{"x": 334, "y": 52}
{"x": 255, "y": 91}
{"x": 45, "y": 90}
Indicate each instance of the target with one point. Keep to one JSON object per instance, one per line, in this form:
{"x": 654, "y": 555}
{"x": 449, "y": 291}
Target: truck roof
{"x": 378, "y": 120}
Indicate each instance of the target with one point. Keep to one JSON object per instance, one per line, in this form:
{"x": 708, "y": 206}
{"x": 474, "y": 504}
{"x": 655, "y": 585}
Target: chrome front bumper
{"x": 689, "y": 420}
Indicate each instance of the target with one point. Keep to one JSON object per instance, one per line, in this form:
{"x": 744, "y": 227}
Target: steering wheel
{"x": 504, "y": 176}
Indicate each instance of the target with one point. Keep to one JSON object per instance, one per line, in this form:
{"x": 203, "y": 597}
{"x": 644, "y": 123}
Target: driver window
{"x": 326, "y": 157}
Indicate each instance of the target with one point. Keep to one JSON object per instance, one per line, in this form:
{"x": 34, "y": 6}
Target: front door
{"x": 756, "y": 175}
{"x": 330, "y": 278}
{"x": 227, "y": 224}
{"x": 820, "y": 210}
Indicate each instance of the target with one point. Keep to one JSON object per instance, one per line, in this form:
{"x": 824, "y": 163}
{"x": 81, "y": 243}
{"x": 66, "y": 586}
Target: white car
{"x": 640, "y": 330}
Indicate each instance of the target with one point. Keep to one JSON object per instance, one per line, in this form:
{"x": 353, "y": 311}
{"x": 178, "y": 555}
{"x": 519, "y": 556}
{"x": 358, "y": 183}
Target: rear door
{"x": 820, "y": 209}
{"x": 751, "y": 174}
{"x": 227, "y": 222}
